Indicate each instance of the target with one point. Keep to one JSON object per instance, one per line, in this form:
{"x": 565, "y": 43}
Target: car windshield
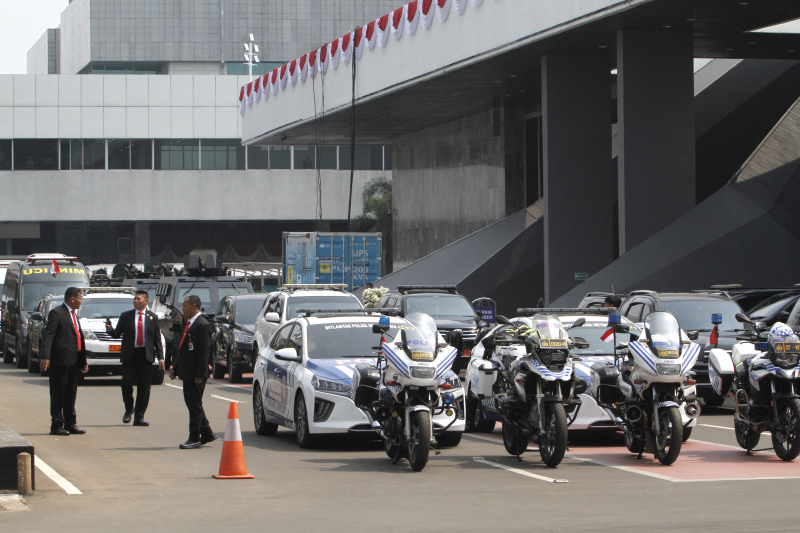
{"x": 592, "y": 332}
{"x": 296, "y": 303}
{"x": 766, "y": 310}
{"x": 33, "y": 290}
{"x": 234, "y": 289}
{"x": 440, "y": 305}
{"x": 696, "y": 314}
{"x": 105, "y": 307}
{"x": 247, "y": 310}
{"x": 341, "y": 340}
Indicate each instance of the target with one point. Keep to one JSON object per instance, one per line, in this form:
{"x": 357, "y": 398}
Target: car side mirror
{"x": 380, "y": 328}
{"x": 288, "y": 354}
{"x": 580, "y": 343}
{"x": 693, "y": 335}
{"x": 36, "y": 316}
{"x": 222, "y": 319}
{"x": 272, "y": 316}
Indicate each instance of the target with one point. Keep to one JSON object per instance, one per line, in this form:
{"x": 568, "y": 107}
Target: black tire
{"x": 219, "y": 371}
{"x": 476, "y": 420}
{"x": 449, "y": 439}
{"x": 157, "y": 377}
{"x": 668, "y": 440}
{"x": 687, "y": 433}
{"x": 786, "y": 437}
{"x": 390, "y": 448}
{"x": 263, "y": 427}
{"x": 234, "y": 372}
{"x": 634, "y": 443}
{"x": 746, "y": 437}
{"x": 301, "y": 427}
{"x": 419, "y": 445}
{"x": 712, "y": 399}
{"x": 515, "y": 441}
{"x": 22, "y": 362}
{"x": 553, "y": 442}
{"x": 33, "y": 367}
{"x": 8, "y": 358}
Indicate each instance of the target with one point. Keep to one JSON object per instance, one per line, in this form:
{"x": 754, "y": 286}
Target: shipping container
{"x": 353, "y": 259}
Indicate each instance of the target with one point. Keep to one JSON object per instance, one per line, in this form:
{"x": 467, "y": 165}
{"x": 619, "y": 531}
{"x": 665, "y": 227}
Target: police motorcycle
{"x": 648, "y": 385}
{"x": 407, "y": 388}
{"x": 527, "y": 373}
{"x": 762, "y": 374}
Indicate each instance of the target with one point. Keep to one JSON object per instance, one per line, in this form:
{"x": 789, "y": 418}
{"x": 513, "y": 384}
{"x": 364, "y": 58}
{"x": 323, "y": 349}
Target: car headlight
{"x": 244, "y": 339}
{"x": 329, "y": 385}
{"x": 423, "y": 372}
{"x": 89, "y": 335}
{"x": 668, "y": 369}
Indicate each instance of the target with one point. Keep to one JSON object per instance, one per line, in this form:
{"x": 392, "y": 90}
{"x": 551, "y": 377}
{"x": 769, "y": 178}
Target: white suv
{"x": 102, "y": 350}
{"x": 284, "y": 304}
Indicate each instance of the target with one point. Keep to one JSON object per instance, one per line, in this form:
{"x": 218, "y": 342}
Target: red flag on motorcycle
{"x": 56, "y": 270}
{"x": 608, "y": 336}
{"x": 713, "y": 338}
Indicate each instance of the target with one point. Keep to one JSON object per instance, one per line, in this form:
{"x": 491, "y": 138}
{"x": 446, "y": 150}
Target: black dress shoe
{"x": 205, "y": 439}
{"x": 127, "y": 417}
{"x": 190, "y": 445}
{"x": 75, "y": 430}
{"x": 59, "y": 431}
{"x": 140, "y": 423}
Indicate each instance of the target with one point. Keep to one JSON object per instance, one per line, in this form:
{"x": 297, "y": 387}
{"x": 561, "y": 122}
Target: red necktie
{"x": 77, "y": 331}
{"x": 140, "y": 332}
{"x": 184, "y": 334}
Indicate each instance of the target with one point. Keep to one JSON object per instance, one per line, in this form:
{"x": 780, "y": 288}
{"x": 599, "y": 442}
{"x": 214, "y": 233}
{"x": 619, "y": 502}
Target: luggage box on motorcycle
{"x": 604, "y": 383}
{"x": 483, "y": 378}
{"x": 364, "y": 389}
{"x": 720, "y": 371}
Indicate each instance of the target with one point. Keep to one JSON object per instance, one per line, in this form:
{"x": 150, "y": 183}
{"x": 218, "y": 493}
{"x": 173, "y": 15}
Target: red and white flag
{"x": 713, "y": 339}
{"x": 608, "y": 336}
{"x": 56, "y": 270}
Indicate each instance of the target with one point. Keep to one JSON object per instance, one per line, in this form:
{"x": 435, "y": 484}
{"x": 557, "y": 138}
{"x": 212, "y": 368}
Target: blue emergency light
{"x": 383, "y": 320}
{"x": 716, "y": 319}
{"x": 614, "y": 319}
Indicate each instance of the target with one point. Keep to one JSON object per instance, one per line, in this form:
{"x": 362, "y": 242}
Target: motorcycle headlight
{"x": 668, "y": 369}
{"x": 244, "y": 339}
{"x": 423, "y": 372}
{"x": 89, "y": 335}
{"x": 329, "y": 385}
{"x": 786, "y": 360}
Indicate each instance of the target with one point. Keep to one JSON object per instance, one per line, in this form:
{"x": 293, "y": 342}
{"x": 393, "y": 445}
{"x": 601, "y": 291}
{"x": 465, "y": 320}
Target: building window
{"x": 123, "y": 68}
{"x": 258, "y": 157}
{"x": 94, "y": 154}
{"x": 75, "y": 154}
{"x": 217, "y": 154}
{"x": 280, "y": 157}
{"x": 141, "y": 154}
{"x": 240, "y": 69}
{"x": 177, "y": 154}
{"x": 64, "y": 155}
{"x": 305, "y": 157}
{"x": 119, "y": 154}
{"x": 327, "y": 157}
{"x": 367, "y": 157}
{"x": 387, "y": 157}
{"x": 35, "y": 154}
{"x": 5, "y": 154}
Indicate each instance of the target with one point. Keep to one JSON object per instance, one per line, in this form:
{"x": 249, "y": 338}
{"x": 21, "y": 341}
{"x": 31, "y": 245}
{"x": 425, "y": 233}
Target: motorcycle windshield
{"x": 664, "y": 334}
{"x": 421, "y": 339}
{"x": 550, "y": 331}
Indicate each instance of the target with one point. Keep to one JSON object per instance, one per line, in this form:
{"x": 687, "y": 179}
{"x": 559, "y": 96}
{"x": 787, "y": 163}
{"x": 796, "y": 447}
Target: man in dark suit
{"x": 191, "y": 365}
{"x": 64, "y": 355}
{"x": 141, "y": 346}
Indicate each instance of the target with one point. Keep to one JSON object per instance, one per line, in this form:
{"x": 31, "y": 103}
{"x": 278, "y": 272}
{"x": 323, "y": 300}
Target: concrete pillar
{"x": 141, "y": 242}
{"x": 655, "y": 112}
{"x": 578, "y": 179}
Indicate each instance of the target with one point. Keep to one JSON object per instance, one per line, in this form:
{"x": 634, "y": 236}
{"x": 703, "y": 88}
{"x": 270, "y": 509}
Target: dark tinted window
{"x": 219, "y": 154}
{"x": 247, "y": 310}
{"x": 258, "y": 157}
{"x": 94, "y": 154}
{"x": 305, "y": 157}
{"x": 321, "y": 302}
{"x": 35, "y": 154}
{"x": 5, "y": 154}
{"x": 696, "y": 314}
{"x": 281, "y": 338}
{"x": 280, "y": 157}
{"x": 439, "y": 305}
{"x": 177, "y": 154}
{"x": 634, "y": 313}
{"x": 119, "y": 154}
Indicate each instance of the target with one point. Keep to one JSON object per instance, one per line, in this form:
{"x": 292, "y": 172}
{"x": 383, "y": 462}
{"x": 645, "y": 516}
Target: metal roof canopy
{"x": 721, "y": 29}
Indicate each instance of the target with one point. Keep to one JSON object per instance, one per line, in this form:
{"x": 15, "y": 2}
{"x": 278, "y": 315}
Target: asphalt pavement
{"x": 124, "y": 478}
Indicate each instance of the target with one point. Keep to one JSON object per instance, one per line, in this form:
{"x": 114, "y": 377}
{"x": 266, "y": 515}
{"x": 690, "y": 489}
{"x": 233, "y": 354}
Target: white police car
{"x": 302, "y": 379}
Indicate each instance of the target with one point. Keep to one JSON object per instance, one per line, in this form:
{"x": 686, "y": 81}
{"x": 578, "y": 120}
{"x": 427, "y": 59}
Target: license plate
{"x": 787, "y": 347}
{"x": 421, "y": 356}
{"x": 117, "y": 348}
{"x": 553, "y": 343}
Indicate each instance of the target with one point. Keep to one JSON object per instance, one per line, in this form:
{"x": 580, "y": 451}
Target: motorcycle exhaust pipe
{"x": 692, "y": 410}
{"x": 633, "y": 414}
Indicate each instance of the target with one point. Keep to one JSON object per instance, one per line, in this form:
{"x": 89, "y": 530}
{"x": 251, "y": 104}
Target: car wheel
{"x": 475, "y": 417}
{"x": 8, "y": 358}
{"x": 219, "y": 371}
{"x": 713, "y": 399}
{"x": 33, "y": 367}
{"x": 301, "y": 427}
{"x": 449, "y": 440}
{"x": 21, "y": 361}
{"x": 234, "y": 373}
{"x": 259, "y": 420}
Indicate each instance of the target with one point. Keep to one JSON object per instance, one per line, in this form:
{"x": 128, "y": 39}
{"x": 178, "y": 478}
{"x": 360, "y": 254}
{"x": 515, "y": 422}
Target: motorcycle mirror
{"x": 693, "y": 335}
{"x": 761, "y": 326}
{"x": 741, "y": 317}
{"x": 380, "y": 329}
{"x": 621, "y": 328}
{"x": 621, "y": 346}
{"x": 578, "y": 323}
{"x": 580, "y": 343}
{"x": 403, "y": 338}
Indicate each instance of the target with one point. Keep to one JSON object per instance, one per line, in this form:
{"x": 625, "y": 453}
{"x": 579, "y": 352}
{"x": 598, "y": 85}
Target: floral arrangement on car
{"x": 371, "y": 297}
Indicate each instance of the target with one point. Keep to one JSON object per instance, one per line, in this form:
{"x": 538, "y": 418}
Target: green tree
{"x": 376, "y": 202}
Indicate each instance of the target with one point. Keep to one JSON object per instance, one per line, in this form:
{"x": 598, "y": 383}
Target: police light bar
{"x": 332, "y": 286}
{"x": 366, "y": 310}
{"x": 49, "y": 257}
{"x": 121, "y": 288}
{"x": 567, "y": 310}
{"x": 448, "y": 288}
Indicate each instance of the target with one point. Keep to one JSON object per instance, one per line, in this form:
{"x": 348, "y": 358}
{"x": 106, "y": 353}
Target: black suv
{"x": 449, "y": 309}
{"x": 693, "y": 311}
{"x": 234, "y": 329}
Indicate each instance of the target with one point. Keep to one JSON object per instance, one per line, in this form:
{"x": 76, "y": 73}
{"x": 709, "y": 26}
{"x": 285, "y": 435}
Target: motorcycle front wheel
{"x": 670, "y": 435}
{"x": 553, "y": 441}
{"x": 390, "y": 448}
{"x": 746, "y": 437}
{"x": 419, "y": 446}
{"x": 786, "y": 434}
{"x": 514, "y": 439}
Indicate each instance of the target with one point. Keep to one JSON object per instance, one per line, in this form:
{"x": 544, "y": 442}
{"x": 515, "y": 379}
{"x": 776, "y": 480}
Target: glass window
{"x": 387, "y": 157}
{"x": 204, "y": 293}
{"x": 141, "y": 154}
{"x": 281, "y": 339}
{"x": 216, "y": 154}
{"x": 65, "y": 155}
{"x": 76, "y": 154}
{"x": 296, "y": 339}
{"x": 280, "y": 157}
{"x": 177, "y": 154}
{"x": 119, "y": 154}
{"x": 304, "y": 157}
{"x": 237, "y": 289}
{"x": 367, "y": 157}
{"x": 344, "y": 157}
{"x": 440, "y": 305}
{"x": 327, "y": 158}
{"x": 35, "y": 154}
{"x": 258, "y": 157}
{"x": 94, "y": 154}
{"x": 5, "y": 154}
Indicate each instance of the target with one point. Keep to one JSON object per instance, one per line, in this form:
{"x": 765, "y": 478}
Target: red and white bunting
{"x": 405, "y": 19}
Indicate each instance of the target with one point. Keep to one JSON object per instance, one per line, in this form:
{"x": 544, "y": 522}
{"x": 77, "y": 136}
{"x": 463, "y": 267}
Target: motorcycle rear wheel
{"x": 419, "y": 446}
{"x": 668, "y": 439}
{"x": 390, "y": 448}
{"x": 553, "y": 441}
{"x": 786, "y": 437}
{"x": 746, "y": 437}
{"x": 514, "y": 439}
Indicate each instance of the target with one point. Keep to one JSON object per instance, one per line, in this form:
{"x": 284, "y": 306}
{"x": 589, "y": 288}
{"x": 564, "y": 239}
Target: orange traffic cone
{"x": 232, "y": 464}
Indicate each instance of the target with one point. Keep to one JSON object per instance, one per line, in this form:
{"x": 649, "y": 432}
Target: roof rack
{"x": 567, "y": 310}
{"x": 726, "y": 287}
{"x": 291, "y": 287}
{"x": 403, "y": 289}
{"x": 121, "y": 288}
{"x": 643, "y": 292}
{"x": 366, "y": 310}
{"x": 599, "y": 293}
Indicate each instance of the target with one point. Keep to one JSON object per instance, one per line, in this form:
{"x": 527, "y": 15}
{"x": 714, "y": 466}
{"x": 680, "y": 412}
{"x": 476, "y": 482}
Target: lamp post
{"x": 251, "y": 55}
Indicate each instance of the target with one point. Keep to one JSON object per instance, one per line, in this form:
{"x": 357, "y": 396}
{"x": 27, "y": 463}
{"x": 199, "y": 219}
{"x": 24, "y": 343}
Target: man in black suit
{"x": 141, "y": 346}
{"x": 191, "y": 365}
{"x": 64, "y": 355}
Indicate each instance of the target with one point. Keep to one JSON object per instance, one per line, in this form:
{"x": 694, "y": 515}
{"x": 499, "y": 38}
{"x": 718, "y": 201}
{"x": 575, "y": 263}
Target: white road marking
{"x": 518, "y": 471}
{"x": 173, "y": 386}
{"x": 12, "y": 503}
{"x": 68, "y": 487}
{"x": 623, "y": 468}
{"x": 718, "y": 427}
{"x": 496, "y": 441}
{"x": 227, "y": 399}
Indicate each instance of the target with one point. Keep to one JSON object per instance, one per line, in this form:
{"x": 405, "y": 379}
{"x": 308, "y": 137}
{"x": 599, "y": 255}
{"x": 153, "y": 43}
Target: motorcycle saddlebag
{"x": 483, "y": 377}
{"x": 720, "y": 371}
{"x": 604, "y": 383}
{"x": 364, "y": 389}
